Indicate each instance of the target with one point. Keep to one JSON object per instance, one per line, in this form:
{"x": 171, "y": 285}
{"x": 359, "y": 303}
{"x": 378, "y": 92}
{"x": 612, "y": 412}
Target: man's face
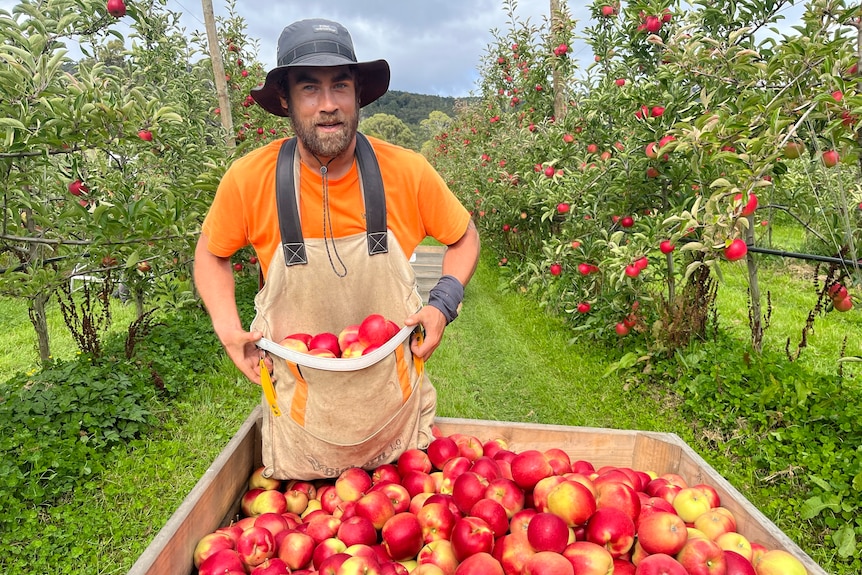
{"x": 323, "y": 107}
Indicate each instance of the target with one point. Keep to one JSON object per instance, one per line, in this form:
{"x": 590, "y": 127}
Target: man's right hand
{"x": 240, "y": 347}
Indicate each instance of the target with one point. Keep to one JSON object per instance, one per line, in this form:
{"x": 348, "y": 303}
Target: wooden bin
{"x": 214, "y": 501}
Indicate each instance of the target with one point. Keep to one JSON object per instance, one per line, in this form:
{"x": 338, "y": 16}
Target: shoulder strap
{"x": 372, "y": 192}
{"x": 286, "y": 186}
{"x": 288, "y": 212}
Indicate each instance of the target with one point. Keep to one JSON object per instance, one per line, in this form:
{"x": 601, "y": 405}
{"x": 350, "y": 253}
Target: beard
{"x": 327, "y": 145}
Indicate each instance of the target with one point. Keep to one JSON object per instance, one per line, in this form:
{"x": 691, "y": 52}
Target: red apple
{"x": 541, "y": 490}
{"x": 737, "y": 564}
{"x": 611, "y": 528}
{"x": 418, "y": 482}
{"x": 322, "y": 527}
{"x": 830, "y": 158}
{"x": 331, "y": 563}
{"x": 436, "y": 521}
{"x": 414, "y": 460}
{"x": 402, "y": 536}
{"x": 471, "y": 535}
{"x": 666, "y": 247}
{"x": 375, "y": 506}
{"x": 374, "y": 330}
{"x": 479, "y": 564}
{"x": 844, "y": 304}
{"x": 273, "y": 566}
{"x": 441, "y": 450}
{"x": 507, "y": 493}
{"x": 360, "y": 565}
{"x": 548, "y": 532}
{"x": 702, "y": 556}
{"x": 397, "y": 493}
{"x": 348, "y": 335}
{"x": 296, "y": 549}
{"x": 327, "y": 548}
{"x": 529, "y": 467}
{"x": 589, "y": 558}
{"x": 357, "y": 530}
{"x": 325, "y": 340}
{"x": 512, "y": 551}
{"x": 210, "y": 544}
{"x": 467, "y": 489}
{"x": 352, "y": 483}
{"x": 572, "y": 501}
{"x": 662, "y": 532}
{"x": 255, "y": 545}
{"x": 548, "y": 563}
{"x": 269, "y": 501}
{"x": 749, "y": 207}
{"x": 116, "y": 8}
{"x": 385, "y": 473}
{"x": 735, "y": 250}
{"x": 660, "y": 564}
{"x": 494, "y": 515}
{"x": 487, "y": 467}
{"x": 145, "y": 135}
{"x": 221, "y": 562}
{"x": 439, "y": 553}
{"x": 275, "y": 523}
{"x": 619, "y": 495}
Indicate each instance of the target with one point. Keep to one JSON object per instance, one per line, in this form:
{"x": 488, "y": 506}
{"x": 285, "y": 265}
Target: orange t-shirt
{"x": 418, "y": 203}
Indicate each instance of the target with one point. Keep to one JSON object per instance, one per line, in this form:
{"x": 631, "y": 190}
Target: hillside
{"x": 411, "y": 109}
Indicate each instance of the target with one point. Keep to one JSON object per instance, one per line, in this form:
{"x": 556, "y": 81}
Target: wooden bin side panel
{"x": 206, "y": 506}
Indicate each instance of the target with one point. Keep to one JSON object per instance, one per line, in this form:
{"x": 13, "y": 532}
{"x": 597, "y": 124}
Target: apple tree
{"x": 673, "y": 130}
{"x": 108, "y": 161}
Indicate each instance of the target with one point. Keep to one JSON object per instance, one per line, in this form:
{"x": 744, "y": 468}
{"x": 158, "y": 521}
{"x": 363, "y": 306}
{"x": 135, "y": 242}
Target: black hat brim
{"x": 373, "y": 80}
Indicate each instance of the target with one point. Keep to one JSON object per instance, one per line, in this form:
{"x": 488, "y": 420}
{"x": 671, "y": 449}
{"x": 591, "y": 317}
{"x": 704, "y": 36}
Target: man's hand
{"x": 240, "y": 347}
{"x": 434, "y": 323}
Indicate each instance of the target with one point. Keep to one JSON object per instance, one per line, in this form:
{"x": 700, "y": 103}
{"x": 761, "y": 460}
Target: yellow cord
{"x": 268, "y": 389}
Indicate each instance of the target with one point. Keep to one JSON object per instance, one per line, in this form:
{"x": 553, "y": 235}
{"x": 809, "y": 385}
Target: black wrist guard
{"x": 446, "y": 296}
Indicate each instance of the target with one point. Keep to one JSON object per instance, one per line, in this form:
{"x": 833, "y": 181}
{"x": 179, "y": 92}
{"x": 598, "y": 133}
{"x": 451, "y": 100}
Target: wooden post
{"x": 558, "y": 79}
{"x": 218, "y": 74}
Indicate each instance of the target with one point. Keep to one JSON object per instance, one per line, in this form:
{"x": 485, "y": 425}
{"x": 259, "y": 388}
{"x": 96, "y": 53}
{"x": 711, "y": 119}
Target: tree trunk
{"x": 39, "y": 319}
{"x": 218, "y": 74}
{"x": 559, "y": 81}
{"x": 755, "y": 319}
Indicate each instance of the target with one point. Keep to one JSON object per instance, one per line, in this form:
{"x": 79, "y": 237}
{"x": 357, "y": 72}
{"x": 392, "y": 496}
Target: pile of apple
{"x": 463, "y": 507}
{"x": 352, "y": 341}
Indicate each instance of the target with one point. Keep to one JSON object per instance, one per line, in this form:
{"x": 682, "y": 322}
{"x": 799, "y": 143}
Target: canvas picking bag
{"x": 329, "y": 419}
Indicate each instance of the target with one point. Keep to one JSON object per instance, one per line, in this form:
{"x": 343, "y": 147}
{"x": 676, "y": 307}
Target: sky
{"x": 433, "y": 47}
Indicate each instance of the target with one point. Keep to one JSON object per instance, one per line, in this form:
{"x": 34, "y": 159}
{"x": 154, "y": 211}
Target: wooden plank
{"x": 214, "y": 501}
{"x": 427, "y": 262}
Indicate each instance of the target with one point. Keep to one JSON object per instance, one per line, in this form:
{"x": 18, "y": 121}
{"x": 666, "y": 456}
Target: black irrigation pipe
{"x": 784, "y": 254}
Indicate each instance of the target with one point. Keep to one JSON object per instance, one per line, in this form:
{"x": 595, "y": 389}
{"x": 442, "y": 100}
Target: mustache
{"x": 335, "y": 118}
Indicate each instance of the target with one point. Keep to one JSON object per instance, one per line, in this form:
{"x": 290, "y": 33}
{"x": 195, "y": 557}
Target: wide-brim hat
{"x": 318, "y": 42}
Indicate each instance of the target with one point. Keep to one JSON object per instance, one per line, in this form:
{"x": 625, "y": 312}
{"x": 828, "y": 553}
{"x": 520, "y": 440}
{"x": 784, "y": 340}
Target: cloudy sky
{"x": 433, "y": 47}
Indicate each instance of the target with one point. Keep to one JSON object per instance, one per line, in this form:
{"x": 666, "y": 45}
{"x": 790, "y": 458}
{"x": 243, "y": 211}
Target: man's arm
{"x": 215, "y": 284}
{"x": 459, "y": 261}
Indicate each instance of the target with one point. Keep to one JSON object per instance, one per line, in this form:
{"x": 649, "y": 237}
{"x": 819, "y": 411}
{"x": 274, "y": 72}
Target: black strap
{"x": 288, "y": 210}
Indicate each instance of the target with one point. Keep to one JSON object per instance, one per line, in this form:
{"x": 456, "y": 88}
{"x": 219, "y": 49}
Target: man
{"x": 314, "y": 245}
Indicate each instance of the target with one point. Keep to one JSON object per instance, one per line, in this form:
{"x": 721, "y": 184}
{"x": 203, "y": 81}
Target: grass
{"x": 20, "y": 351}
{"x": 505, "y": 359}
